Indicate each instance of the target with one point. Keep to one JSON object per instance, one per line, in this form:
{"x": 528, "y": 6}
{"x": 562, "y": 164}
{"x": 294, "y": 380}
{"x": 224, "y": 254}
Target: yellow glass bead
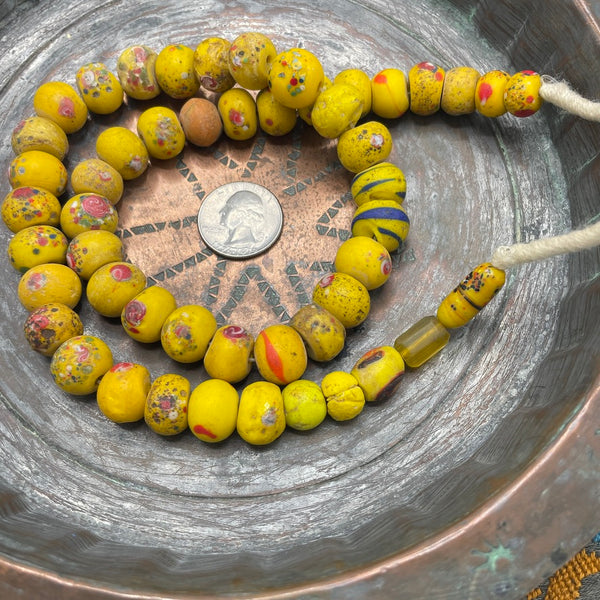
{"x": 296, "y": 77}
{"x": 97, "y": 177}
{"x": 37, "y": 245}
{"x": 383, "y": 220}
{"x": 250, "y": 58}
{"x": 38, "y": 169}
{"x": 422, "y": 341}
{"x": 336, "y": 109}
{"x": 121, "y": 395}
{"x": 383, "y": 181}
{"x": 229, "y": 354}
{"x": 426, "y": 82}
{"x": 49, "y": 282}
{"x": 280, "y": 354}
{"x": 363, "y": 146}
{"x": 237, "y": 109}
{"x": 345, "y": 398}
{"x": 458, "y": 95}
{"x": 305, "y": 113}
{"x": 389, "y": 94}
{"x": 49, "y": 326}
{"x": 470, "y": 296}
{"x": 274, "y": 118}
{"x": 304, "y": 405}
{"x": 87, "y": 212}
{"x": 174, "y": 71}
{"x": 522, "y": 94}
{"x": 261, "y": 415}
{"x": 161, "y": 132}
{"x": 112, "y": 286}
{"x": 213, "y": 410}
{"x": 166, "y": 406}
{"x": 90, "y": 250}
{"x": 360, "y": 80}
{"x": 489, "y": 93}
{"x": 344, "y": 297}
{"x": 135, "y": 70}
{"x": 79, "y": 364}
{"x": 365, "y": 259}
{"x": 59, "y": 102}
{"x": 143, "y": 317}
{"x": 211, "y": 65}
{"x": 100, "y": 89}
{"x": 323, "y": 334}
{"x": 378, "y": 372}
{"x": 123, "y": 150}
{"x": 28, "y": 206}
{"x": 39, "y": 133}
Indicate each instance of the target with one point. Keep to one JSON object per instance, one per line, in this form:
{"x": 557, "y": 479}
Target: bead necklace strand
{"x": 289, "y": 84}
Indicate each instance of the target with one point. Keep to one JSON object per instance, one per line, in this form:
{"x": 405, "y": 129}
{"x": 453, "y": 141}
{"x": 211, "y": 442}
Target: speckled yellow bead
{"x": 426, "y": 82}
{"x": 161, "y": 132}
{"x": 470, "y": 296}
{"x": 361, "y": 81}
{"x": 50, "y": 325}
{"x": 39, "y": 133}
{"x": 458, "y": 96}
{"x": 422, "y": 341}
{"x": 213, "y": 410}
{"x": 143, "y": 316}
{"x": 38, "y": 169}
{"x": 296, "y": 78}
{"x": 79, "y": 364}
{"x": 37, "y": 245}
{"x": 211, "y": 64}
{"x": 365, "y": 259}
{"x": 323, "y": 334}
{"x": 90, "y": 250}
{"x": 261, "y": 414}
{"x": 112, "y": 286}
{"x": 97, "y": 177}
{"x": 383, "y": 220}
{"x": 121, "y": 394}
{"x": 229, "y": 354}
{"x": 522, "y": 94}
{"x": 49, "y": 282}
{"x": 250, "y": 58}
{"x": 489, "y": 93}
{"x": 175, "y": 73}
{"x": 274, "y": 118}
{"x": 363, "y": 146}
{"x": 280, "y": 354}
{"x": 87, "y": 212}
{"x": 124, "y": 151}
{"x": 382, "y": 181}
{"x": 336, "y": 109}
{"x": 100, "y": 89}
{"x": 166, "y": 406}
{"x": 304, "y": 405}
{"x": 378, "y": 372}
{"x": 344, "y": 297}
{"x": 305, "y": 113}
{"x": 187, "y": 332}
{"x": 237, "y": 109}
{"x": 59, "y": 102}
{"x": 389, "y": 94}
{"x": 345, "y": 399}
{"x": 135, "y": 70}
{"x": 27, "y": 206}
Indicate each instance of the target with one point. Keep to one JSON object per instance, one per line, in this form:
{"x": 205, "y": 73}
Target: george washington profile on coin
{"x": 244, "y": 217}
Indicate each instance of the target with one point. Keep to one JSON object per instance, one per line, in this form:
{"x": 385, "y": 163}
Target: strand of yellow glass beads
{"x": 289, "y": 85}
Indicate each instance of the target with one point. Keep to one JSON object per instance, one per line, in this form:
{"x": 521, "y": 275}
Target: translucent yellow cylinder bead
{"x": 470, "y": 296}
{"x": 422, "y": 341}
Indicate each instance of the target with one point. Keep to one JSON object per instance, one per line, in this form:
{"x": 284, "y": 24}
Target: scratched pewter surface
{"x": 475, "y": 481}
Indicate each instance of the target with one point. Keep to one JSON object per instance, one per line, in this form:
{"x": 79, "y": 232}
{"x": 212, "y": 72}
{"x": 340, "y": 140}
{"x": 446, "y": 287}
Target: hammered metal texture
{"x": 473, "y": 478}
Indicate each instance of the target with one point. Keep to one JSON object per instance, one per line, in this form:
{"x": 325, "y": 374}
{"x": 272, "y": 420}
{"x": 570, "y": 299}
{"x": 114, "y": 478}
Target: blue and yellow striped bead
{"x": 383, "y": 181}
{"x": 382, "y": 220}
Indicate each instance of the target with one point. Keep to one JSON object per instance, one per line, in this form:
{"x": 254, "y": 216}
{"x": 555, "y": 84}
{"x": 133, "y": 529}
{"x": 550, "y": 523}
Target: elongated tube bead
{"x": 422, "y": 341}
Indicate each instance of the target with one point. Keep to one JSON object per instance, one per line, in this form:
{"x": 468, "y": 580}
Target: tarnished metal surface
{"x": 475, "y": 481}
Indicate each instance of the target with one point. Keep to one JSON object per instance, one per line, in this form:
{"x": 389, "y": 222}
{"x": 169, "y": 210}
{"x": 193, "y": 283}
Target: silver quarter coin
{"x": 240, "y": 219}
